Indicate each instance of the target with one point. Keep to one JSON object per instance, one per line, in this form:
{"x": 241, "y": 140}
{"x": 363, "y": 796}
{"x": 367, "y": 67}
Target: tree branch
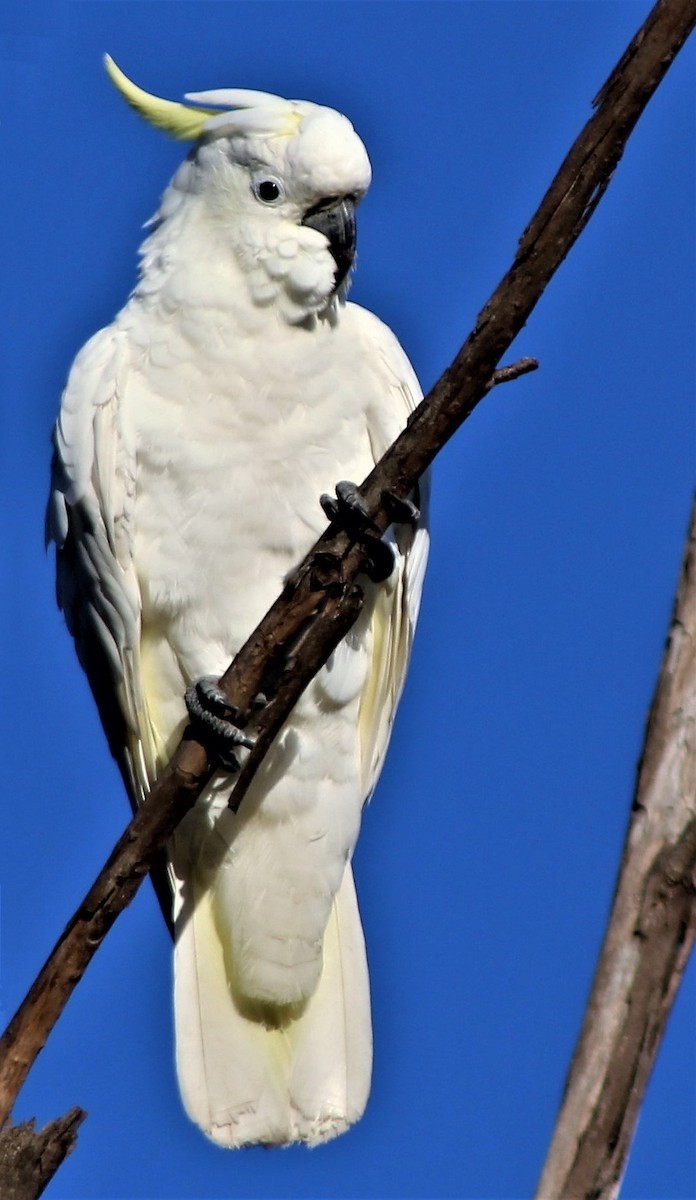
{"x": 29, "y": 1160}
{"x": 649, "y": 936}
{"x": 322, "y": 599}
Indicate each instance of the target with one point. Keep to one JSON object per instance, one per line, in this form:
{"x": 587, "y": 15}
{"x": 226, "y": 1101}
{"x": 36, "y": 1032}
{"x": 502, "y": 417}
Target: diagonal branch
{"x": 322, "y": 599}
{"x": 649, "y": 937}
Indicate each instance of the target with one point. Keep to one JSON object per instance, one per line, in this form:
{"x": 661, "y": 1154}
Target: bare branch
{"x": 649, "y": 936}
{"x": 29, "y": 1160}
{"x": 506, "y": 374}
{"x": 322, "y": 599}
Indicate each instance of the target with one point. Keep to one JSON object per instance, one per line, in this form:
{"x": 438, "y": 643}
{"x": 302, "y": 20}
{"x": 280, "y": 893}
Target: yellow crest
{"x": 178, "y": 120}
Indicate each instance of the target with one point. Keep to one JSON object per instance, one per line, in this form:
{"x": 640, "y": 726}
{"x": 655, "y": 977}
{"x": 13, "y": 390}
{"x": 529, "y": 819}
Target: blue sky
{"x": 488, "y": 856}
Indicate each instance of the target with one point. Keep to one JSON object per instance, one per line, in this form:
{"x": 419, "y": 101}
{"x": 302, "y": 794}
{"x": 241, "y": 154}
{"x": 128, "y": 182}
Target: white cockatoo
{"x": 195, "y": 436}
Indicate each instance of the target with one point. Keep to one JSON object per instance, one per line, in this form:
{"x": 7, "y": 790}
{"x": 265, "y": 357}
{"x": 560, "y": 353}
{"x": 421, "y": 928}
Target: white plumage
{"x": 196, "y": 435}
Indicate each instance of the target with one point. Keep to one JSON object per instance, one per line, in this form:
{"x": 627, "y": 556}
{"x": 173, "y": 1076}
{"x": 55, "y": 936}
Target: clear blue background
{"x": 488, "y": 856}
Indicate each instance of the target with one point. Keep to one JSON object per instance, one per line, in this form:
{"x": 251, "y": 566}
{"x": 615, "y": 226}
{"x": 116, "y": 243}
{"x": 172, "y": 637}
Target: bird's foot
{"x": 216, "y": 719}
{"x": 348, "y": 510}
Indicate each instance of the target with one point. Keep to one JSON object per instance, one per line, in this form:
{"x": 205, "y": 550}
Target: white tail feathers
{"x": 244, "y": 1082}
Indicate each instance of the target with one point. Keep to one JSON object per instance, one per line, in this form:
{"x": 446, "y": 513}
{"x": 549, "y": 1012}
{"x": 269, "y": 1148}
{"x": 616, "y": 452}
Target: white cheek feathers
{"x": 294, "y": 273}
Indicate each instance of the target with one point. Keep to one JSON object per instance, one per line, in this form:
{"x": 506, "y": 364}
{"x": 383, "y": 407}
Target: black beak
{"x": 336, "y": 220}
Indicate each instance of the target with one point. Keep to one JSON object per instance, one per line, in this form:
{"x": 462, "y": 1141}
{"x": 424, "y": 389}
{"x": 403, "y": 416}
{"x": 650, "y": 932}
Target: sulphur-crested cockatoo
{"x": 195, "y": 437}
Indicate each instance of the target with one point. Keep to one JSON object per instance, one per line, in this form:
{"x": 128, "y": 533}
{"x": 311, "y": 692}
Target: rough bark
{"x": 322, "y": 599}
{"x": 649, "y": 936}
{"x": 29, "y": 1160}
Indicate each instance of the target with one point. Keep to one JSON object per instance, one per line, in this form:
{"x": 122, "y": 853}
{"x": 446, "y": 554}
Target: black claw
{"x": 380, "y": 561}
{"x": 209, "y": 709}
{"x": 348, "y": 509}
{"x": 206, "y": 694}
{"x": 402, "y": 512}
{"x": 351, "y": 502}
{"x": 329, "y": 505}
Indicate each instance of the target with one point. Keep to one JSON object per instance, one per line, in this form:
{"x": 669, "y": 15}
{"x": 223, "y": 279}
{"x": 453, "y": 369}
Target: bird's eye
{"x": 268, "y": 190}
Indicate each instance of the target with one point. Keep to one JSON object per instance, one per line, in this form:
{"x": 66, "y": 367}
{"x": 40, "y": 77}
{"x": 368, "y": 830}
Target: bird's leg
{"x": 210, "y": 710}
{"x": 348, "y": 510}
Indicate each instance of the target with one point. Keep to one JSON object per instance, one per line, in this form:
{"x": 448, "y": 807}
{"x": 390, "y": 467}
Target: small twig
{"x": 506, "y": 374}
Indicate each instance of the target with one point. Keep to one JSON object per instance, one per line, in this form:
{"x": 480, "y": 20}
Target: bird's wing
{"x": 90, "y": 520}
{"x": 397, "y": 602}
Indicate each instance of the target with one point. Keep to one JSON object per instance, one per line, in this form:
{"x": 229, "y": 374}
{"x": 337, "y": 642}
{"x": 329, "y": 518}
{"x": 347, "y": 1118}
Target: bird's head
{"x": 278, "y": 181}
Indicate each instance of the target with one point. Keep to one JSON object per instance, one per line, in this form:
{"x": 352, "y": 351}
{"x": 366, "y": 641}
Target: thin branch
{"x": 322, "y": 599}
{"x": 506, "y": 374}
{"x": 649, "y": 936}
